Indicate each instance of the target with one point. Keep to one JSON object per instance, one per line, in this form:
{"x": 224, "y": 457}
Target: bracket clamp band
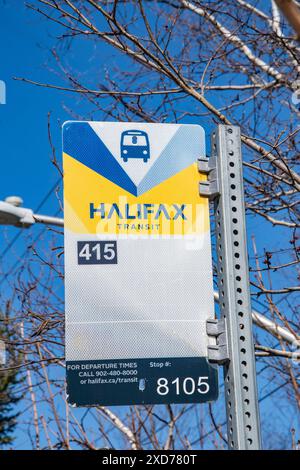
{"x": 209, "y": 188}
{"x": 217, "y": 353}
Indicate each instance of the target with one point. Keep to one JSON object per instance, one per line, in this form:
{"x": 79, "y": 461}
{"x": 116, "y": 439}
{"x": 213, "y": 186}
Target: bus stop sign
{"x": 138, "y": 274}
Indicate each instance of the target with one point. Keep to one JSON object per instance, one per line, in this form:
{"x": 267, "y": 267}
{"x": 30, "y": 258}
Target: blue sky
{"x": 26, "y": 170}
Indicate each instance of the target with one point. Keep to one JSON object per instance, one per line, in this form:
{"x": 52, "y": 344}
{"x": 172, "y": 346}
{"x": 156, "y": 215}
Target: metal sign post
{"x": 225, "y": 186}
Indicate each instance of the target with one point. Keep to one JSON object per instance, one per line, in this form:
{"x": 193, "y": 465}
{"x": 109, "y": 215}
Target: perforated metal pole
{"x": 235, "y": 305}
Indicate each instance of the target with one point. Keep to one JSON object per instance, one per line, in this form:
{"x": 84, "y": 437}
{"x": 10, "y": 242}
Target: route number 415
{"x": 97, "y": 252}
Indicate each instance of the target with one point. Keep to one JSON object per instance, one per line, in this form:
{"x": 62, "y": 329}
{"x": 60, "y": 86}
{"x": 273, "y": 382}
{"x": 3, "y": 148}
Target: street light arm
{"x": 48, "y": 220}
{"x": 11, "y": 213}
{"x": 14, "y": 215}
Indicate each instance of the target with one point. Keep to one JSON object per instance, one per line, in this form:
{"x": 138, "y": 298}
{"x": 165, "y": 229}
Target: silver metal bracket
{"x": 209, "y": 188}
{"x": 218, "y": 353}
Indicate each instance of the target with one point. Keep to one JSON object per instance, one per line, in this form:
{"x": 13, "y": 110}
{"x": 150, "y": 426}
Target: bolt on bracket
{"x": 218, "y": 353}
{"x": 209, "y": 188}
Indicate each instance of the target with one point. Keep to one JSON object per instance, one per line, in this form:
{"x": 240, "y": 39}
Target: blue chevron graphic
{"x": 83, "y": 144}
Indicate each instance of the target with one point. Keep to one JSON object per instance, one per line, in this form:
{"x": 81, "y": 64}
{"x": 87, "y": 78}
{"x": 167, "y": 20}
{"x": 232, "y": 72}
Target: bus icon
{"x": 135, "y": 144}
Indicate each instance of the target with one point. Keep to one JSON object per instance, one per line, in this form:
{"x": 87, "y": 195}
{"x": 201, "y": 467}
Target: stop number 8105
{"x": 188, "y": 385}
